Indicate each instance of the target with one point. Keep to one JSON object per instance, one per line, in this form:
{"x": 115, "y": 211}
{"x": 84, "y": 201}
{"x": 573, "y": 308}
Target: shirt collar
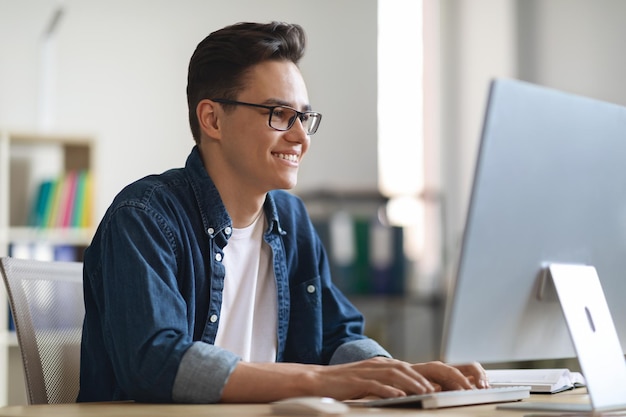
{"x": 214, "y": 214}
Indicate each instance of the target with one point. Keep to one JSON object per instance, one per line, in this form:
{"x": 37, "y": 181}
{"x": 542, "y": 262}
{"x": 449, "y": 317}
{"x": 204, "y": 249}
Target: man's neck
{"x": 242, "y": 201}
{"x": 243, "y": 213}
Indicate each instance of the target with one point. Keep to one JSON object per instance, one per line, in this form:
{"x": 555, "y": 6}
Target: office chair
{"x": 46, "y": 300}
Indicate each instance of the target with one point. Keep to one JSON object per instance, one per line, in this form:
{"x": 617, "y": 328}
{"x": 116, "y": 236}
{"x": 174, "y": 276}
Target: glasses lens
{"x": 311, "y": 121}
{"x": 282, "y": 118}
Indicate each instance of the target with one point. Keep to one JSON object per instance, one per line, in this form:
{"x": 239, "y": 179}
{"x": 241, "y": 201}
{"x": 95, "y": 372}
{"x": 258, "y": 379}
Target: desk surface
{"x": 253, "y": 410}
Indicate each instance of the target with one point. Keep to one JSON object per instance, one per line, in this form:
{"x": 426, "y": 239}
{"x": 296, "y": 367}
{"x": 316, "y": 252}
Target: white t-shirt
{"x": 249, "y": 313}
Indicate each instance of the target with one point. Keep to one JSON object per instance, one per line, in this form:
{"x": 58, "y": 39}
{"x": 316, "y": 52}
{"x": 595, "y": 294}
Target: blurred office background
{"x": 402, "y": 86}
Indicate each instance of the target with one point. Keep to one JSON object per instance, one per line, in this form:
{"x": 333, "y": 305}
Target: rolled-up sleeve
{"x": 357, "y": 350}
{"x": 203, "y": 373}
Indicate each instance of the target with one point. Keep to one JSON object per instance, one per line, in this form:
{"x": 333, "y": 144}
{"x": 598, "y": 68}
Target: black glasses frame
{"x": 303, "y": 116}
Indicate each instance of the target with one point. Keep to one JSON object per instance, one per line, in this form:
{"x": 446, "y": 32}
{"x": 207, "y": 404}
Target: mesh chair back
{"x": 46, "y": 300}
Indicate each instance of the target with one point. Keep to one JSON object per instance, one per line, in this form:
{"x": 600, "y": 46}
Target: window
{"x": 401, "y": 135}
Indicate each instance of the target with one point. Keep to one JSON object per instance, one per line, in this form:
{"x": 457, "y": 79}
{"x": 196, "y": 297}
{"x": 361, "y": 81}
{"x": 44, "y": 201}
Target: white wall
{"x": 571, "y": 45}
{"x": 122, "y": 69}
{"x": 121, "y": 74}
{"x": 576, "y": 46}
{"x": 478, "y": 42}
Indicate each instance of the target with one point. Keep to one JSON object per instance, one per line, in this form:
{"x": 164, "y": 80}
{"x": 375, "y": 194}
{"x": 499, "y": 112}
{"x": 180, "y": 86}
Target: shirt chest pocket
{"x": 307, "y": 295}
{"x": 305, "y": 335}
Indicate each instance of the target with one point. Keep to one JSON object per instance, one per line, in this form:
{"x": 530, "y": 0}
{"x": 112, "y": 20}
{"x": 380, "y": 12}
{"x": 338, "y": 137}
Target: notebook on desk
{"x": 444, "y": 399}
{"x": 542, "y": 381}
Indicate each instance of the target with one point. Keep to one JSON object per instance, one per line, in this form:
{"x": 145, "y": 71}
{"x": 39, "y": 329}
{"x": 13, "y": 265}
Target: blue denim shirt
{"x": 153, "y": 281}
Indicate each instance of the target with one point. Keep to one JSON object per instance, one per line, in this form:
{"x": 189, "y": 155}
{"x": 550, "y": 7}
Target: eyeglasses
{"x": 282, "y": 117}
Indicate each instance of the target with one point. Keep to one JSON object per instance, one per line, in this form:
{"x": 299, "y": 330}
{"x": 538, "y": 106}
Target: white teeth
{"x": 288, "y": 157}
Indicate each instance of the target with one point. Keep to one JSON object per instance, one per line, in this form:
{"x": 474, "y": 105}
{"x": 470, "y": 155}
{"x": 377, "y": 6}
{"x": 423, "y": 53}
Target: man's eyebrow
{"x": 279, "y": 102}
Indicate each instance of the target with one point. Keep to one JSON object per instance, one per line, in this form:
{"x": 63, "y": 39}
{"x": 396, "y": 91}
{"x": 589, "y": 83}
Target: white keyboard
{"x": 455, "y": 398}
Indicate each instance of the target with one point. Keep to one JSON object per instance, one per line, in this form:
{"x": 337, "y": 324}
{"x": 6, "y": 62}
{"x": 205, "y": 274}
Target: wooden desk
{"x": 254, "y": 410}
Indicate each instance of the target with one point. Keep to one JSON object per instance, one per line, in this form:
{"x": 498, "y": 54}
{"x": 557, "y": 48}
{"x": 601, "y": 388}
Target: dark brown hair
{"x": 218, "y": 66}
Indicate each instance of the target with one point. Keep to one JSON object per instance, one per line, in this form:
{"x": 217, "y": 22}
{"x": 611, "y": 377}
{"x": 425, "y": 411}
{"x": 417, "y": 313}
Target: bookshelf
{"x": 27, "y": 160}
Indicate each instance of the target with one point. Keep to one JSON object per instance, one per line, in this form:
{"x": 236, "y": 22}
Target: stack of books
{"x": 63, "y": 202}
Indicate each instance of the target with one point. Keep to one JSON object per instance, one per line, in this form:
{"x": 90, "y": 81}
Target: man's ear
{"x": 209, "y": 116}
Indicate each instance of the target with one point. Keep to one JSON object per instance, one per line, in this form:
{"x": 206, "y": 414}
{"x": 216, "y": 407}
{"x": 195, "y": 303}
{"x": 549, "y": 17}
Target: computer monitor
{"x": 549, "y": 187}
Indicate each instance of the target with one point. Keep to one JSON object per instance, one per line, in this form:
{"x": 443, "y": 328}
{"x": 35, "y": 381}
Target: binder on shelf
{"x": 339, "y": 239}
{"x": 38, "y": 209}
{"x": 86, "y": 202}
{"x": 386, "y": 259}
{"x": 67, "y": 253}
{"x": 63, "y": 202}
{"x": 365, "y": 256}
{"x": 79, "y": 215}
{"x": 68, "y": 202}
{"x": 53, "y": 203}
{"x": 362, "y": 278}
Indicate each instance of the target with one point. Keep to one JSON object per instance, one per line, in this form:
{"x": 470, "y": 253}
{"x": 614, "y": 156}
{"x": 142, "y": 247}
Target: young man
{"x": 208, "y": 283}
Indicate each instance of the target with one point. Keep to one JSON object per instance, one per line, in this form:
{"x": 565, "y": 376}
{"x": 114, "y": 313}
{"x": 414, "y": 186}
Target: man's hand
{"x": 452, "y": 377}
{"x": 384, "y": 377}
{"x": 379, "y": 377}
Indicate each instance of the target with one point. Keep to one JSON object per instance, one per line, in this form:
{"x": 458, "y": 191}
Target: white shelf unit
{"x": 26, "y": 159}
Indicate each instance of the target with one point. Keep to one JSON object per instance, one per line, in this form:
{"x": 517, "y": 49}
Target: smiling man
{"x": 209, "y": 283}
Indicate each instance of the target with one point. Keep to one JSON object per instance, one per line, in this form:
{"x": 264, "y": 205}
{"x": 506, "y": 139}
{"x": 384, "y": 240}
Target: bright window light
{"x": 401, "y": 118}
{"x": 400, "y": 98}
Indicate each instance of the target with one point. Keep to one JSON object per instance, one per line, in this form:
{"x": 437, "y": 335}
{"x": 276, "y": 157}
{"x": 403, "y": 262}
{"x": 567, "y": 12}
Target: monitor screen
{"x": 549, "y": 187}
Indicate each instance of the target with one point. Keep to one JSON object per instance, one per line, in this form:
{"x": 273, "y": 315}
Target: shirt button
{"x": 210, "y": 230}
{"x": 213, "y": 318}
{"x": 218, "y": 257}
{"x": 228, "y": 230}
{"x": 310, "y": 289}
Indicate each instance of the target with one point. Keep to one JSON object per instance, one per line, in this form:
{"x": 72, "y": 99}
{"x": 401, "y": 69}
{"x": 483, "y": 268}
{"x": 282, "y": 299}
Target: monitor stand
{"x": 595, "y": 341}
